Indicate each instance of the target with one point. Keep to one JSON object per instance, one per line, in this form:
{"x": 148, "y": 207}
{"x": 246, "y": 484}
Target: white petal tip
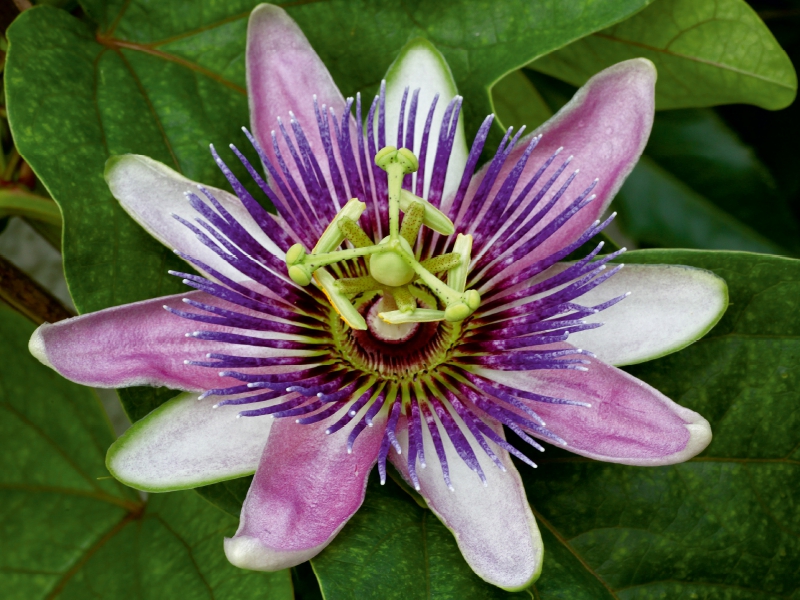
{"x": 349, "y": 450}
{"x": 451, "y": 488}
{"x": 36, "y": 347}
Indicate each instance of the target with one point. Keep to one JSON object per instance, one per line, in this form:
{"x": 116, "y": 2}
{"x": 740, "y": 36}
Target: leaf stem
{"x": 27, "y": 297}
{"x": 18, "y": 202}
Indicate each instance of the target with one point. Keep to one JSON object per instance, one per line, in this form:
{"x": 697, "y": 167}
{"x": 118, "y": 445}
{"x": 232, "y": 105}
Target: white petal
{"x": 670, "y": 307}
{"x": 186, "y": 443}
{"x": 493, "y": 524}
{"x": 150, "y": 192}
{"x": 421, "y": 65}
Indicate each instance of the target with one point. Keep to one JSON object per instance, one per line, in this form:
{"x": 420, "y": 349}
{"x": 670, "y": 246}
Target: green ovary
{"x": 389, "y": 268}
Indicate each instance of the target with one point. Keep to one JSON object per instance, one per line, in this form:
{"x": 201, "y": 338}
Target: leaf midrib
{"x": 116, "y": 44}
{"x": 53, "y": 489}
{"x": 540, "y": 519}
{"x": 91, "y": 551}
{"x": 697, "y": 59}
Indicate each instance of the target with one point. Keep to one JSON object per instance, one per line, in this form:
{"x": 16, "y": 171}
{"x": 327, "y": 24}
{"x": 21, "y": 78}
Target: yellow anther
{"x": 295, "y": 254}
{"x": 457, "y": 312}
{"x": 300, "y": 274}
{"x": 473, "y": 299}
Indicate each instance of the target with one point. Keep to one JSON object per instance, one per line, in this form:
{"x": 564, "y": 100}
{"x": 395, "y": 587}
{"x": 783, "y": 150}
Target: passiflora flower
{"x": 347, "y": 335}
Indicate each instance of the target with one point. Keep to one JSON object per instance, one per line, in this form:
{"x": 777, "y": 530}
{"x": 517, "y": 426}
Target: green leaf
{"x": 724, "y": 524}
{"x": 707, "y": 52}
{"x": 70, "y": 530}
{"x": 656, "y": 208}
{"x": 700, "y": 149}
{"x": 516, "y": 102}
{"x": 393, "y": 548}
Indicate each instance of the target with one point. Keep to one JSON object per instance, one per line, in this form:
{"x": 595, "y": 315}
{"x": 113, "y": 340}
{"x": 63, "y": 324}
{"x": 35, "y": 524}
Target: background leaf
{"x": 724, "y": 524}
{"x": 773, "y": 135}
{"x": 658, "y": 209}
{"x": 516, "y": 102}
{"x": 707, "y": 52}
{"x": 71, "y": 531}
{"x": 393, "y": 548}
{"x": 697, "y": 147}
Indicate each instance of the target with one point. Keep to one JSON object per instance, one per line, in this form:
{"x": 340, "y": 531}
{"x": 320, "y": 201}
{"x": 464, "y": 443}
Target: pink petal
{"x": 493, "y": 524}
{"x": 283, "y": 76}
{"x": 628, "y": 422}
{"x": 138, "y": 344}
{"x": 306, "y": 488}
{"x": 605, "y": 127}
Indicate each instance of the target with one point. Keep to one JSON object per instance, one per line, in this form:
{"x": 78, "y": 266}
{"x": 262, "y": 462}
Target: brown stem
{"x": 23, "y": 5}
{"x": 27, "y": 297}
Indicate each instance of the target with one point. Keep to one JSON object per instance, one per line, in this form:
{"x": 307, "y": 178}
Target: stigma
{"x": 393, "y": 267}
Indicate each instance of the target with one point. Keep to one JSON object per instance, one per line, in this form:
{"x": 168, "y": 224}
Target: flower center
{"x": 386, "y": 332}
{"x": 398, "y": 353}
{"x": 392, "y": 262}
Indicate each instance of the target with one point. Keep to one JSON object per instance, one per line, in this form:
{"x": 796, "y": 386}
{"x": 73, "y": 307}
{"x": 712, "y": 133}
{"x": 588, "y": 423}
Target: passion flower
{"x": 397, "y": 306}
